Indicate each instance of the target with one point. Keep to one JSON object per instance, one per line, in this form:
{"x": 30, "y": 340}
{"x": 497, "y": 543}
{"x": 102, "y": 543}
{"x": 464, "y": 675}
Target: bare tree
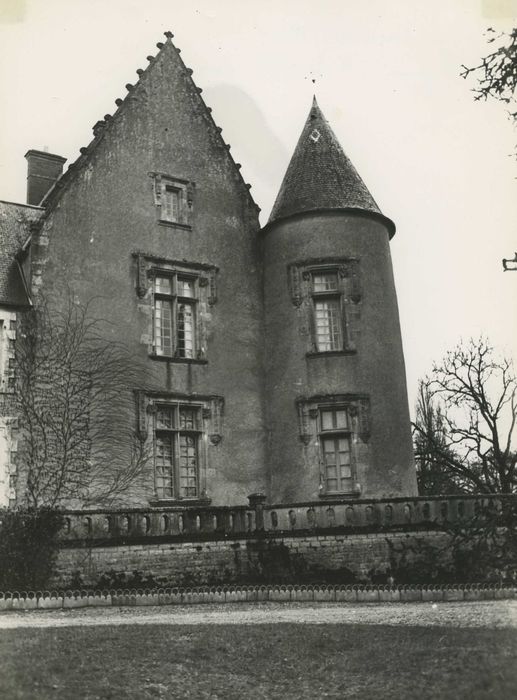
{"x": 76, "y": 403}
{"x": 466, "y": 421}
{"x": 432, "y": 451}
{"x": 497, "y": 72}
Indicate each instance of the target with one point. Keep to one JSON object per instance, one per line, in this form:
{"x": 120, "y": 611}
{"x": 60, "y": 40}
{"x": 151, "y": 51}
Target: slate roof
{"x": 320, "y": 175}
{"x": 15, "y": 221}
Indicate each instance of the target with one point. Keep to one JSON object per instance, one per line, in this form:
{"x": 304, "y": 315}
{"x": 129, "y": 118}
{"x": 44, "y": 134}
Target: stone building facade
{"x": 272, "y": 359}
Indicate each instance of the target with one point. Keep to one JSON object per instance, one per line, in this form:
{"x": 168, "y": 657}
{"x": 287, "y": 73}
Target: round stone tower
{"x": 335, "y": 380}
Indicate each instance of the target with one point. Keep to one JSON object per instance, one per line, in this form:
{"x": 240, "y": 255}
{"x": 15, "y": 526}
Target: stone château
{"x": 272, "y": 356}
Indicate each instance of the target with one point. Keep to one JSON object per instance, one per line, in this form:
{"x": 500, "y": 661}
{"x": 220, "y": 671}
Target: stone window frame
{"x": 357, "y": 407}
{"x": 211, "y": 412}
{"x": 349, "y": 292}
{"x": 175, "y": 309}
{"x": 148, "y": 268}
{"x": 9, "y": 426}
{"x": 185, "y": 190}
{"x": 8, "y": 321}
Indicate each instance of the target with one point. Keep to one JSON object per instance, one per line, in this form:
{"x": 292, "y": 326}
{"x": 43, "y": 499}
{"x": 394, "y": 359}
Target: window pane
{"x": 186, "y": 287}
{"x": 165, "y": 418}
{"x": 331, "y": 484}
{"x": 327, "y": 420}
{"x": 332, "y": 419}
{"x": 344, "y": 446}
{"x": 185, "y": 330}
{"x": 331, "y": 471}
{"x": 188, "y": 418}
{"x": 329, "y": 449}
{"x": 328, "y": 324}
{"x": 341, "y": 419}
{"x": 188, "y": 465}
{"x": 325, "y": 282}
{"x": 163, "y": 327}
{"x": 170, "y": 204}
{"x": 164, "y": 466}
{"x": 163, "y": 285}
{"x": 164, "y": 451}
{"x": 338, "y": 469}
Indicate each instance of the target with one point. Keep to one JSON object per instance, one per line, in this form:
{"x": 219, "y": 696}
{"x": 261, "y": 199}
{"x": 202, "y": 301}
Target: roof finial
{"x": 314, "y": 107}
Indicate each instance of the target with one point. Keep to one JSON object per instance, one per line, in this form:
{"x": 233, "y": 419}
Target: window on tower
{"x": 335, "y": 439}
{"x": 328, "y": 311}
{"x": 335, "y": 430}
{"x": 327, "y": 292}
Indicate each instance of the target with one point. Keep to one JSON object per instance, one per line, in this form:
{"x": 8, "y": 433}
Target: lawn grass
{"x": 258, "y": 661}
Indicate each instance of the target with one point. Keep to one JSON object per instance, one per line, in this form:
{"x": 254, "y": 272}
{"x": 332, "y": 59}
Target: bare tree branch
{"x": 76, "y": 401}
{"x": 463, "y": 410}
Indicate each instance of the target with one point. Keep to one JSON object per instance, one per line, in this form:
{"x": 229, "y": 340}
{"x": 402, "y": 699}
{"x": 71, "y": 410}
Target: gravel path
{"x": 492, "y": 614}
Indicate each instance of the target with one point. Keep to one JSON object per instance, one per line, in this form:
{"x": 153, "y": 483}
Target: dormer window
{"x": 171, "y": 204}
{"x": 174, "y": 199}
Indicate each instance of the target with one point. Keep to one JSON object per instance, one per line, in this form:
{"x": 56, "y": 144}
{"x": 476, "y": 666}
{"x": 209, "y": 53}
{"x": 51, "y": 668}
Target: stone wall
{"x": 336, "y": 558}
{"x": 369, "y": 370}
{"x": 105, "y": 235}
{"x": 340, "y": 541}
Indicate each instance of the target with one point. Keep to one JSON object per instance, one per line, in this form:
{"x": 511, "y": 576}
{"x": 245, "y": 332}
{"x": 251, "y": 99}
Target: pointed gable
{"x": 168, "y": 64}
{"x": 320, "y": 176}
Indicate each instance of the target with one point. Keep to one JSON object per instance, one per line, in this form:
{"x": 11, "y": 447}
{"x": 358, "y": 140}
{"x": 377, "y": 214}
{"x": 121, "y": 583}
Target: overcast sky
{"x": 387, "y": 77}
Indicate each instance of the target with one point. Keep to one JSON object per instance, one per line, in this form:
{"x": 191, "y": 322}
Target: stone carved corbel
{"x": 212, "y": 294}
{"x": 190, "y": 194}
{"x": 157, "y": 188}
{"x": 353, "y": 282}
{"x": 364, "y": 431}
{"x": 295, "y": 285}
{"x": 304, "y": 427}
{"x": 359, "y": 411}
{"x": 216, "y": 419}
{"x": 142, "y": 276}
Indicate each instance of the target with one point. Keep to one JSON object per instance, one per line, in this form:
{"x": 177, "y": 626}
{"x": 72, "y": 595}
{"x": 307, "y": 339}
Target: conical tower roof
{"x": 320, "y": 176}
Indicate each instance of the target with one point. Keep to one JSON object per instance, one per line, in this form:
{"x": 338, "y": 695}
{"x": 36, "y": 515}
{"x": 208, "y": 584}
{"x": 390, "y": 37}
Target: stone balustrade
{"x": 213, "y": 522}
{"x": 150, "y": 523}
{"x": 379, "y": 514}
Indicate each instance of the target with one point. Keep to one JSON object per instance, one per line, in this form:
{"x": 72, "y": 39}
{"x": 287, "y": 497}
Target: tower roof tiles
{"x": 320, "y": 176}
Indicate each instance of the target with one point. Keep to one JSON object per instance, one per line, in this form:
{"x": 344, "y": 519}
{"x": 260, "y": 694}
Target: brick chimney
{"x": 43, "y": 170}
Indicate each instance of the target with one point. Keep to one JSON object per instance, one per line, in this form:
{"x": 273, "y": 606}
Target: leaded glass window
{"x": 336, "y": 450}
{"x": 328, "y": 312}
{"x": 175, "y": 307}
{"x": 178, "y": 431}
{"x": 171, "y": 204}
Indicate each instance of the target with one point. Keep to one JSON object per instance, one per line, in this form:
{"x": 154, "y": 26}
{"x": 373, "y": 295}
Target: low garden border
{"x": 53, "y": 600}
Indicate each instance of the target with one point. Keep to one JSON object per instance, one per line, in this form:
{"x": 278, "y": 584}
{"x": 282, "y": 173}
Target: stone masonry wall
{"x": 334, "y": 558}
